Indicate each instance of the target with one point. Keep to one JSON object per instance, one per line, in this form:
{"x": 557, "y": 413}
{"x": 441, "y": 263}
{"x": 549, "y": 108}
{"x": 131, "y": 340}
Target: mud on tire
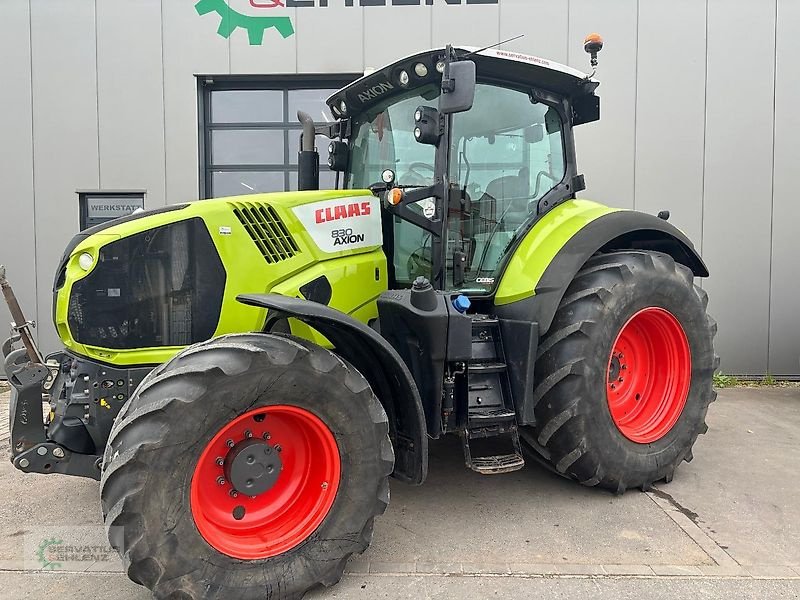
{"x": 157, "y": 440}
{"x": 575, "y": 430}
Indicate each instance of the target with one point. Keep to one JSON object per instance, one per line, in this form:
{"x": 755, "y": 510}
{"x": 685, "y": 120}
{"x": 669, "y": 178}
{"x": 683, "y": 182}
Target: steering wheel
{"x": 420, "y": 262}
{"x": 413, "y": 173}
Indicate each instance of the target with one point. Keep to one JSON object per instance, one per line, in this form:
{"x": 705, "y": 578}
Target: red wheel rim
{"x": 306, "y": 479}
{"x": 649, "y": 373}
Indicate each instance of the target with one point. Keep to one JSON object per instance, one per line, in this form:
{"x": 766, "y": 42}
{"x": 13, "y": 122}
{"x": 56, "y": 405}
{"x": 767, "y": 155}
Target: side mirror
{"x": 458, "y": 87}
{"x": 338, "y": 155}
{"x": 427, "y": 125}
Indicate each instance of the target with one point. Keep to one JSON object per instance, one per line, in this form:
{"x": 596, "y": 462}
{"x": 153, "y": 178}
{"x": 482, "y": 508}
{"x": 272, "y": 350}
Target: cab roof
{"x": 493, "y": 63}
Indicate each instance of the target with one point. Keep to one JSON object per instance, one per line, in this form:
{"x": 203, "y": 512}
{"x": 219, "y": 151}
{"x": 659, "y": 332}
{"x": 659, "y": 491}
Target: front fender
{"x": 379, "y": 363}
{"x": 555, "y": 249}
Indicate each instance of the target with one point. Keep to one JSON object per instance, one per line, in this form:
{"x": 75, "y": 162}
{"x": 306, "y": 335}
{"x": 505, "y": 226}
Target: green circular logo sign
{"x": 255, "y": 25}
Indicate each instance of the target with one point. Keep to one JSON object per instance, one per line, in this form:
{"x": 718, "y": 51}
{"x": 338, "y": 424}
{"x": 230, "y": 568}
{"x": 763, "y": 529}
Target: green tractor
{"x": 243, "y": 375}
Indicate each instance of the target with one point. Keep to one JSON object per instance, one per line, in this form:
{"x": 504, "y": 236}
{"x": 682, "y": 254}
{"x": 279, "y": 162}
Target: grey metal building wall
{"x": 698, "y": 117}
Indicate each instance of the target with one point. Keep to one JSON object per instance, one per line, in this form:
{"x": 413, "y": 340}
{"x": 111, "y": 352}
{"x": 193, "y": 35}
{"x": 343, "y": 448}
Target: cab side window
{"x": 507, "y": 153}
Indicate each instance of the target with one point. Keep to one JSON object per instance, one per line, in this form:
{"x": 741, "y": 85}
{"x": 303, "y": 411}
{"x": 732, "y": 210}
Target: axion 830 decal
{"x": 343, "y": 224}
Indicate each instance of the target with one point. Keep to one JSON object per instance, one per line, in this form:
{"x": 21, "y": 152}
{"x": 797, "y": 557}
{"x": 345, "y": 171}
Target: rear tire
{"x": 154, "y": 490}
{"x": 591, "y": 425}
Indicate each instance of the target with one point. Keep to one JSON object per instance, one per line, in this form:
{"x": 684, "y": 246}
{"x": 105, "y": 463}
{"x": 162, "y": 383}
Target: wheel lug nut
{"x": 324, "y": 485}
{"x": 221, "y": 480}
{"x": 220, "y": 461}
{"x": 620, "y": 380}
{"x": 229, "y": 443}
{"x": 234, "y": 494}
{"x": 278, "y": 448}
{"x": 266, "y": 435}
{"x": 613, "y": 387}
{"x": 248, "y": 434}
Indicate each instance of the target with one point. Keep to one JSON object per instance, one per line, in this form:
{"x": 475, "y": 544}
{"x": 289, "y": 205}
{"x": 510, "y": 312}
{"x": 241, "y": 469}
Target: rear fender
{"x": 536, "y": 294}
{"x": 379, "y": 363}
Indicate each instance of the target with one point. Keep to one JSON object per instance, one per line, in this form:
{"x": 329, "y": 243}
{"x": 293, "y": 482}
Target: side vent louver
{"x": 267, "y": 230}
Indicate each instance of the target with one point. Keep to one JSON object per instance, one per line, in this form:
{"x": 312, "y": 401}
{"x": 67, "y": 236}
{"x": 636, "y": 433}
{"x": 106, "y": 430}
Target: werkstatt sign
{"x": 112, "y": 208}
{"x": 256, "y": 16}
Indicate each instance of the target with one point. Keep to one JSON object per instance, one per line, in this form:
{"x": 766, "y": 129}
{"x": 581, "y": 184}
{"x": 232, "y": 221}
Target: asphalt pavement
{"x": 728, "y": 526}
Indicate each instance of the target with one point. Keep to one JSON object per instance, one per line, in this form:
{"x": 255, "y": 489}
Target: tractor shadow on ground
{"x": 529, "y": 516}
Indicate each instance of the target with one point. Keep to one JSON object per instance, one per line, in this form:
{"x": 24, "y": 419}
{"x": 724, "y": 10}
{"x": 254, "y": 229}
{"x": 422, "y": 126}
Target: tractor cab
{"x": 468, "y": 148}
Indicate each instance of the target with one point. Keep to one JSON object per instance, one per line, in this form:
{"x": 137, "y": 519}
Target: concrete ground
{"x": 728, "y": 526}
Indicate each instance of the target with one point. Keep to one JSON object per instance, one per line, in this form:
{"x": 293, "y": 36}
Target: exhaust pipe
{"x": 308, "y": 157}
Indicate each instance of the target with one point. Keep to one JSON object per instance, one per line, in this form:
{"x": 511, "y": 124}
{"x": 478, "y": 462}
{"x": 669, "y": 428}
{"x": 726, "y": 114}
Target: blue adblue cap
{"x": 462, "y": 304}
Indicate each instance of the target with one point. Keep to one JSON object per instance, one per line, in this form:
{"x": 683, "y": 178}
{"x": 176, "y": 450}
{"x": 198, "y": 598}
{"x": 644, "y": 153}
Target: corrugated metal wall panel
{"x": 65, "y": 141}
{"x": 411, "y": 28}
{"x": 606, "y": 150}
{"x": 17, "y": 234}
{"x": 130, "y": 97}
{"x": 332, "y": 41}
{"x": 191, "y": 46}
{"x": 670, "y": 113}
{"x": 473, "y": 25}
{"x": 275, "y": 55}
{"x": 738, "y": 179}
{"x": 544, "y": 23}
{"x": 784, "y": 347}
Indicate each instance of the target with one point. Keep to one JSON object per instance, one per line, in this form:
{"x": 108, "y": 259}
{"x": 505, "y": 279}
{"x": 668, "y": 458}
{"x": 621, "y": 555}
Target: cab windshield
{"x": 506, "y": 153}
{"x": 383, "y": 138}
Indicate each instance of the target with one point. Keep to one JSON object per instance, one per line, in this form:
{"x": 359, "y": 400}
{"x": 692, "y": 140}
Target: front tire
{"x": 250, "y": 466}
{"x": 624, "y": 375}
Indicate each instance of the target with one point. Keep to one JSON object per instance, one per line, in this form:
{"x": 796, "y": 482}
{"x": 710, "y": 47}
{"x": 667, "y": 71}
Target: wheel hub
{"x": 265, "y": 482}
{"x": 614, "y": 369}
{"x": 252, "y": 467}
{"x": 649, "y": 375}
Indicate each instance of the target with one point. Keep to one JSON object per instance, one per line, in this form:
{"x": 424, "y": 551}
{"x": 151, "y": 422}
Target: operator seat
{"x": 509, "y": 196}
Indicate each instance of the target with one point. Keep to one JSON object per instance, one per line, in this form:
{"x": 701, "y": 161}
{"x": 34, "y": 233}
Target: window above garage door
{"x": 250, "y": 136}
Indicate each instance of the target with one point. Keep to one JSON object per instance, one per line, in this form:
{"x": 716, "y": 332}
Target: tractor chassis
{"x": 31, "y": 451}
{"x": 69, "y": 386}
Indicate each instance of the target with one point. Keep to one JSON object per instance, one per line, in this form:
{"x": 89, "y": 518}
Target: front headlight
{"x": 85, "y": 261}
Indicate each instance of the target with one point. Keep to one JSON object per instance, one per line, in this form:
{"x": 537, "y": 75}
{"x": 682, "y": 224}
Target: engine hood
{"x": 135, "y": 290}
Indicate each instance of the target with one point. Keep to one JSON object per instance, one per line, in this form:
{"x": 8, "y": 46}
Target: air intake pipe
{"x": 308, "y": 157}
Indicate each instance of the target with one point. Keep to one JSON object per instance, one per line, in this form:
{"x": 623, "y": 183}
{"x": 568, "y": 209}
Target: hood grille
{"x": 266, "y": 229}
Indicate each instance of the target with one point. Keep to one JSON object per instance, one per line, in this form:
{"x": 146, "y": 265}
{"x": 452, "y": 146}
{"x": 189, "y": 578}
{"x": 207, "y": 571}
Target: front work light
{"x": 427, "y": 125}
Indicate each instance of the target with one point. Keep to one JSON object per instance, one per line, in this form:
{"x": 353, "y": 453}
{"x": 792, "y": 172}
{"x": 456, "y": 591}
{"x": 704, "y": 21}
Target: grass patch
{"x": 721, "y": 380}
{"x": 725, "y": 381}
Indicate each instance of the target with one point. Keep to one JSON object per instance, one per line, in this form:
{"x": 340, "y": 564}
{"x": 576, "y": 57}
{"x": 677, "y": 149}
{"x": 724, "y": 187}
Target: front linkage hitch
{"x": 30, "y": 377}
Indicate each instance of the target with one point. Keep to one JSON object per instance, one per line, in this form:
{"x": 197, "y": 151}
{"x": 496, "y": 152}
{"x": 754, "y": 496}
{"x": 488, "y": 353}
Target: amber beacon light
{"x": 593, "y": 44}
